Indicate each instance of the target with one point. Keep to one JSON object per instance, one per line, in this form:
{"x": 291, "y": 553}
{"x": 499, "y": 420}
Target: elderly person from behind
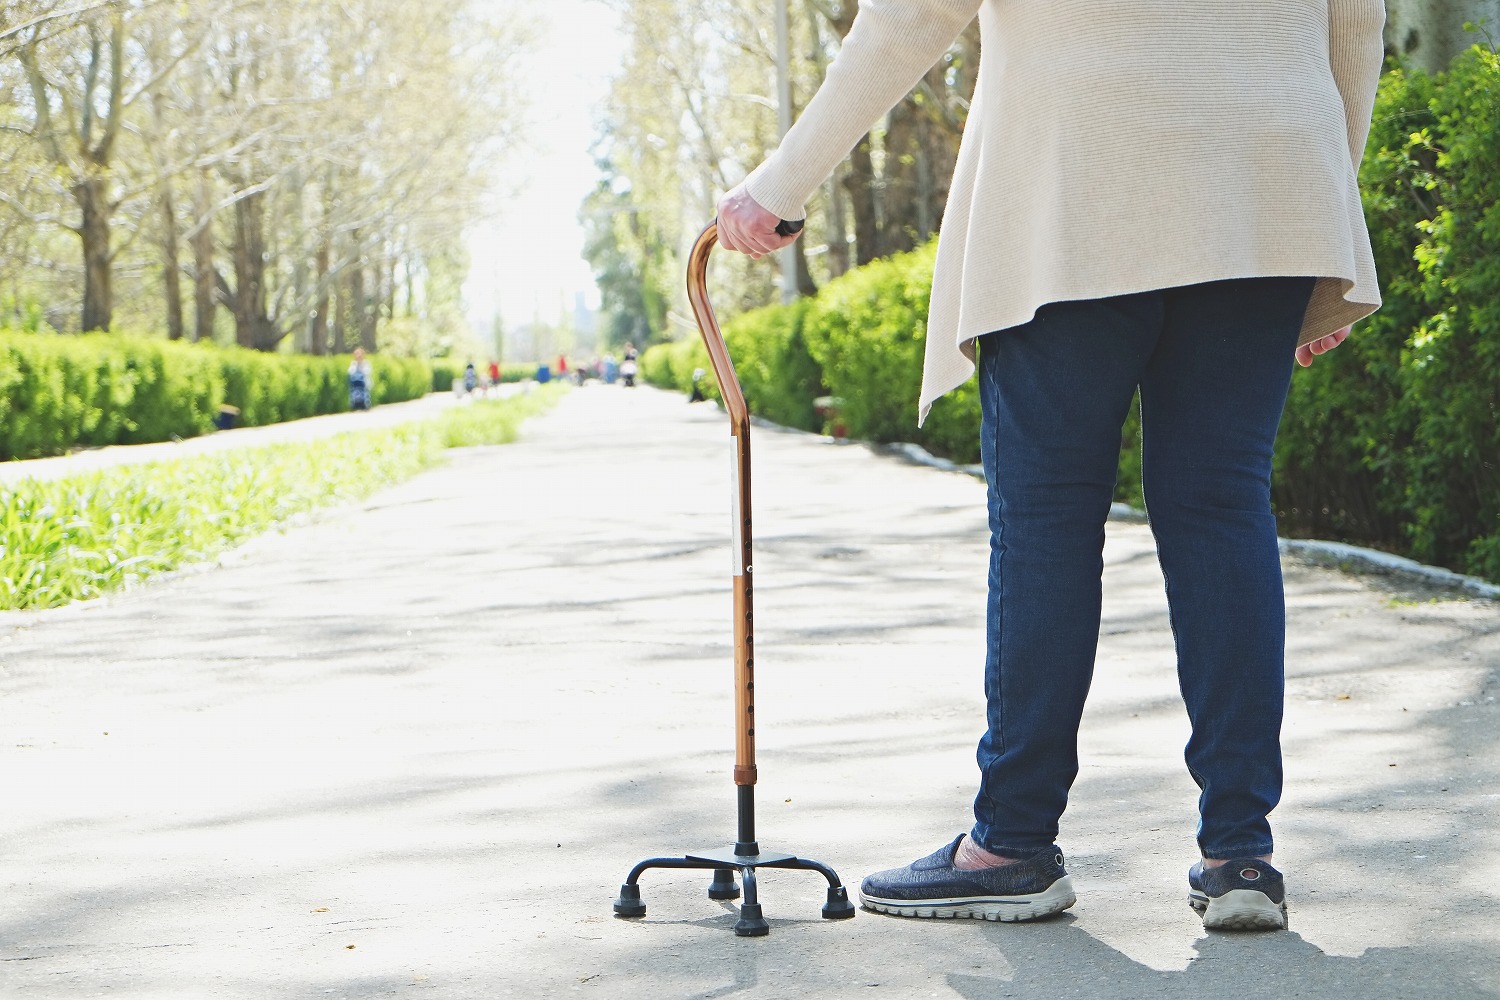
{"x": 1150, "y": 196}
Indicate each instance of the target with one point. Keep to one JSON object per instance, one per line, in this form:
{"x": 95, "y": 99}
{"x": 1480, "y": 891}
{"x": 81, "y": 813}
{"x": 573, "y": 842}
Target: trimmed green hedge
{"x": 1393, "y": 440}
{"x": 446, "y": 371}
{"x": 60, "y": 392}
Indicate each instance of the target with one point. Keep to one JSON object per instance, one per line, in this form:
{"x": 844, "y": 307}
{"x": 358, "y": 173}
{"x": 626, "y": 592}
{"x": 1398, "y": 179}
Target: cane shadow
{"x": 1068, "y": 961}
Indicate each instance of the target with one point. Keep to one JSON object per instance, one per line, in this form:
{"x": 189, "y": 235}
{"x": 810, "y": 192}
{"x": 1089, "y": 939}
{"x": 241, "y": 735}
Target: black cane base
{"x": 724, "y": 864}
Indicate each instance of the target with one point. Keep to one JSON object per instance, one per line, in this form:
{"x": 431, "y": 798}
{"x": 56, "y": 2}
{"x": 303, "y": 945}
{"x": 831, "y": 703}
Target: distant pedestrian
{"x": 471, "y": 378}
{"x": 361, "y": 380}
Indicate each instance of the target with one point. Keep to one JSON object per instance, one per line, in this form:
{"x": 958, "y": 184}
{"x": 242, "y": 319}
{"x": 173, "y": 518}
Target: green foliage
{"x": 494, "y": 421}
{"x": 671, "y": 366}
{"x": 73, "y": 539}
{"x": 446, "y": 371}
{"x": 396, "y": 379}
{"x": 631, "y": 260}
{"x": 777, "y": 373}
{"x": 61, "y": 392}
{"x": 1394, "y": 439}
{"x": 867, "y": 329}
{"x": 1453, "y": 361}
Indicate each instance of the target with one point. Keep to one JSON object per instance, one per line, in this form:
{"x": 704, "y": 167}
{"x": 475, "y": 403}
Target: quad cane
{"x": 747, "y": 855}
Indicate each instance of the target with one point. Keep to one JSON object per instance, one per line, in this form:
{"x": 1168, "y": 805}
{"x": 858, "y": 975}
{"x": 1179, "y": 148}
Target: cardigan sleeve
{"x": 1355, "y": 53}
{"x": 888, "y": 48}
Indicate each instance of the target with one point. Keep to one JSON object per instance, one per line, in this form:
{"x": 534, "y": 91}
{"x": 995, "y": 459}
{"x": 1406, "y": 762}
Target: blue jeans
{"x": 1213, "y": 363}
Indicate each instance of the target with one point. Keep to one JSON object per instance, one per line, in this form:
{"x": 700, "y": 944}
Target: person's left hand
{"x": 746, "y": 227}
{"x": 1322, "y": 345}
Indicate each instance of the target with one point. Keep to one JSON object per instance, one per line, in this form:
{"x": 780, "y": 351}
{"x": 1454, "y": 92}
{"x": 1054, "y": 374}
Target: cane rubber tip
{"x": 751, "y": 923}
{"x": 629, "y": 904}
{"x": 838, "y": 906}
{"x": 723, "y": 886}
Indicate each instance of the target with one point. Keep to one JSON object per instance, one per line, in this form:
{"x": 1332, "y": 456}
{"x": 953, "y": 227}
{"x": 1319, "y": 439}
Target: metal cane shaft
{"x": 739, "y": 428}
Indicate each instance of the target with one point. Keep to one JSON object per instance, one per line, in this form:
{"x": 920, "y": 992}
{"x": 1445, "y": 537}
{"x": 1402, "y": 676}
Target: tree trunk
{"x": 838, "y": 231}
{"x": 252, "y": 322}
{"x": 390, "y": 287}
{"x": 860, "y": 183}
{"x": 921, "y": 149}
{"x": 806, "y": 286}
{"x": 93, "y": 230}
{"x": 318, "y": 335}
{"x": 367, "y": 324}
{"x": 341, "y": 317}
{"x": 204, "y": 276}
{"x": 1428, "y": 34}
{"x": 359, "y": 306}
{"x": 170, "y": 265}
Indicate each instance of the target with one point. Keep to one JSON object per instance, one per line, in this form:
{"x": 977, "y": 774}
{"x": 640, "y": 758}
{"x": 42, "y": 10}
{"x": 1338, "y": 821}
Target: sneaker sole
{"x": 1010, "y": 909}
{"x": 1240, "y": 910}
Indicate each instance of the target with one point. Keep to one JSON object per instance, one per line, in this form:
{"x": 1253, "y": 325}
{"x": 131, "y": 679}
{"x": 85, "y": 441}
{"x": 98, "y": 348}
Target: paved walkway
{"x": 412, "y": 748}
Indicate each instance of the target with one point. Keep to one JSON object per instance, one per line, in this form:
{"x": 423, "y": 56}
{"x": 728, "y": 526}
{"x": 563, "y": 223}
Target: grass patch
{"x": 76, "y": 538}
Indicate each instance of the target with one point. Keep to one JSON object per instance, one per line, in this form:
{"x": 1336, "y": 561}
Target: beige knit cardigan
{"x": 1118, "y": 146}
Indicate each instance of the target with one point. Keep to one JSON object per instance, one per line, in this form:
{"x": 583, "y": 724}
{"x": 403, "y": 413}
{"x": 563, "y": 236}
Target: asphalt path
{"x": 411, "y": 748}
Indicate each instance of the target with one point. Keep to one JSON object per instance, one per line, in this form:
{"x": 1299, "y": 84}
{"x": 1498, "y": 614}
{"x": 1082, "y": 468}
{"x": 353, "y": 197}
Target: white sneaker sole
{"x": 1058, "y": 897}
{"x": 1240, "y": 910}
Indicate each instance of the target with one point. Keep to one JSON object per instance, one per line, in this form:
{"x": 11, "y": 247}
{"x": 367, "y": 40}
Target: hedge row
{"x": 1393, "y": 440}
{"x": 446, "y": 371}
{"x": 60, "y": 392}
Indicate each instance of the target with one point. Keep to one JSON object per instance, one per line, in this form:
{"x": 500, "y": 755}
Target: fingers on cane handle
{"x": 787, "y": 228}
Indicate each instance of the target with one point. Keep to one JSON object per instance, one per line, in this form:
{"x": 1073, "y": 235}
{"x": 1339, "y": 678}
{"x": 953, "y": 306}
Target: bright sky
{"x": 527, "y": 261}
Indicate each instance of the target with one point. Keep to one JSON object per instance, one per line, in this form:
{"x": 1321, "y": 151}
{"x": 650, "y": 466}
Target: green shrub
{"x": 671, "y": 366}
{"x": 1394, "y": 439}
{"x": 61, "y": 392}
{"x": 779, "y": 376}
{"x": 866, "y": 330}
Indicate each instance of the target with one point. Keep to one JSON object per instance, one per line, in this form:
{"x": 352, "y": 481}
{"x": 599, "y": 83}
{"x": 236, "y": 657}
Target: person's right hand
{"x": 1322, "y": 345}
{"x": 747, "y": 227}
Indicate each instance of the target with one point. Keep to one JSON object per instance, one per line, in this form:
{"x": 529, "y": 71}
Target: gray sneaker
{"x": 1033, "y": 887}
{"x": 1244, "y": 894}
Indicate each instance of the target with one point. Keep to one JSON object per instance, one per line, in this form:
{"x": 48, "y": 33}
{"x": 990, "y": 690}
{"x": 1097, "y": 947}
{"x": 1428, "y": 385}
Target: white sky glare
{"x": 526, "y": 259}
